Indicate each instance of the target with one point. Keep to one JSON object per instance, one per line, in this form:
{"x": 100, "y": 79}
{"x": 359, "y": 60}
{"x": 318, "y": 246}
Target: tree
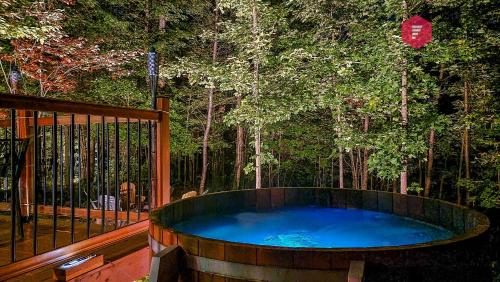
{"x": 319, "y": 82}
{"x": 55, "y": 60}
{"x": 15, "y": 22}
{"x": 404, "y": 107}
{"x": 206, "y": 134}
{"x": 250, "y": 33}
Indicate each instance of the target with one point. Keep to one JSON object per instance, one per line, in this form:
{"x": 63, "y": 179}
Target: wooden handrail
{"x": 66, "y": 120}
{"x": 22, "y": 102}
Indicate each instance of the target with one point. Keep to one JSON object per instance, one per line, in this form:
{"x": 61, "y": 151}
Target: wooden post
{"x": 163, "y": 154}
{"x": 167, "y": 265}
{"x": 24, "y": 131}
{"x": 26, "y": 180}
{"x": 356, "y": 271}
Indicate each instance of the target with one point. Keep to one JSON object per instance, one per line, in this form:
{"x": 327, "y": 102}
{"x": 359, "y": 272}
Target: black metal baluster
{"x": 102, "y": 175}
{"x": 36, "y": 186}
{"x": 108, "y": 170}
{"x": 97, "y": 174}
{"x": 61, "y": 164}
{"x": 128, "y": 171}
{"x": 5, "y": 180}
{"x": 44, "y": 159}
{"x": 72, "y": 176}
{"x": 54, "y": 178}
{"x": 13, "y": 194}
{"x": 88, "y": 176}
{"x": 79, "y": 144}
{"x": 117, "y": 170}
{"x": 150, "y": 165}
{"x": 139, "y": 187}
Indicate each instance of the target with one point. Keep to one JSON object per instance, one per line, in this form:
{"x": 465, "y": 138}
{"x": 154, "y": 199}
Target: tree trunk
{"x": 179, "y": 177}
{"x": 430, "y": 151}
{"x": 359, "y": 168}
{"x": 353, "y": 170}
{"x": 420, "y": 175}
{"x": 147, "y": 15}
{"x": 459, "y": 192}
{"x": 193, "y": 177}
{"x": 258, "y": 169}
{"x": 441, "y": 183}
{"x": 430, "y": 158}
{"x": 466, "y": 141}
{"x": 341, "y": 168}
{"x": 185, "y": 171}
{"x": 270, "y": 173}
{"x": 196, "y": 163}
{"x": 206, "y": 134}
{"x": 239, "y": 153}
{"x": 341, "y": 153}
{"x": 404, "y": 108}
{"x": 331, "y": 173}
{"x": 364, "y": 179}
{"x": 320, "y": 175}
{"x": 279, "y": 159}
{"x": 244, "y": 159}
{"x": 371, "y": 182}
{"x": 162, "y": 24}
{"x": 255, "y": 90}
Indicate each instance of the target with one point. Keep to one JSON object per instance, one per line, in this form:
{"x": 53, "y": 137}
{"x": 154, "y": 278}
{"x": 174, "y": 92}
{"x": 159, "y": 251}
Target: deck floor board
{"x": 24, "y": 247}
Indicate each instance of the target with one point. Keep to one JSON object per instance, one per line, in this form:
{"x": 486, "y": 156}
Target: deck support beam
{"x": 356, "y": 271}
{"x": 163, "y": 154}
{"x": 26, "y": 182}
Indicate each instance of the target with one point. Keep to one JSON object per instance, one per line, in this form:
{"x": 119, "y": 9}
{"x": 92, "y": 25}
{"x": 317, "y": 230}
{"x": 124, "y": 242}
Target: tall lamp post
{"x": 153, "y": 82}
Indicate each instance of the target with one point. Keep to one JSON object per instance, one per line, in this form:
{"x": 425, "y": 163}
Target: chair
{"x": 189, "y": 194}
{"x": 109, "y": 203}
{"x": 123, "y": 195}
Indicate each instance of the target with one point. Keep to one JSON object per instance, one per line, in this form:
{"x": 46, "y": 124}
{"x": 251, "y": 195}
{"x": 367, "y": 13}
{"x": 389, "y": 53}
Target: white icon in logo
{"x": 415, "y": 30}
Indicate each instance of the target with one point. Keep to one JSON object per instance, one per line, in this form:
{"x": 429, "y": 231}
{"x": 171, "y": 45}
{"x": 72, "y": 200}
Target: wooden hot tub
{"x": 215, "y": 259}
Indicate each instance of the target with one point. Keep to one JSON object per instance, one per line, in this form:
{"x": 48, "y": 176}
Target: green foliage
{"x": 125, "y": 92}
{"x": 490, "y": 195}
{"x": 324, "y": 66}
{"x": 16, "y": 22}
{"x": 415, "y": 187}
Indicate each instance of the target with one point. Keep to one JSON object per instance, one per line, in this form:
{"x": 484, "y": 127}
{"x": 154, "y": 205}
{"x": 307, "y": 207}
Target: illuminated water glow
{"x": 314, "y": 227}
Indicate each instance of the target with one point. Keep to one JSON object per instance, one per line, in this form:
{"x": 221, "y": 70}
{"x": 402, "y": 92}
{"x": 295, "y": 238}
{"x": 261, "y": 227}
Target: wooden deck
{"x": 113, "y": 253}
{"x": 38, "y": 267}
{"x": 24, "y": 247}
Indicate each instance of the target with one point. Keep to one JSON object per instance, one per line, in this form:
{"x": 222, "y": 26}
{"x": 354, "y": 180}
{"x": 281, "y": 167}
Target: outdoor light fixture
{"x": 76, "y": 267}
{"x": 14, "y": 78}
{"x": 77, "y": 261}
{"x": 153, "y": 74}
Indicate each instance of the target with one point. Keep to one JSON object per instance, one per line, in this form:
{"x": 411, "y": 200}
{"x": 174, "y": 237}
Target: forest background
{"x": 284, "y": 93}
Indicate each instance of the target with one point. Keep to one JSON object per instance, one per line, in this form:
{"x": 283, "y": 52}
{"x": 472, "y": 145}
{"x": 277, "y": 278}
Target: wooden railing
{"x": 20, "y": 102}
{"x": 86, "y": 170}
